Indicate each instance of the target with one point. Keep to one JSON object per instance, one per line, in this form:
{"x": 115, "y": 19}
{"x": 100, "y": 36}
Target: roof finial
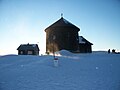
{"x": 61, "y": 15}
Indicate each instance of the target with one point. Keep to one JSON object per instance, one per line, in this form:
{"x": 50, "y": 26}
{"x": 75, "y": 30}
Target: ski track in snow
{"x": 96, "y": 71}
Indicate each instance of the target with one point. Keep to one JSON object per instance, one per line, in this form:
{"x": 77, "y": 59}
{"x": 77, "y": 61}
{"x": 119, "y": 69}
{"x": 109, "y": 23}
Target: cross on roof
{"x": 61, "y": 15}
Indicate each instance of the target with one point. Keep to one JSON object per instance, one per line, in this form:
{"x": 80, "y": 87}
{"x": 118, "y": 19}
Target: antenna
{"x": 61, "y": 15}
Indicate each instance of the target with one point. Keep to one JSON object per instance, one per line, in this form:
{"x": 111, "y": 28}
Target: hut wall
{"x": 85, "y": 48}
{"x": 65, "y": 38}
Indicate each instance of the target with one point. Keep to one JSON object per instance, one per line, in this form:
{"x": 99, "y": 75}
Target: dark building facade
{"x": 84, "y": 45}
{"x": 28, "y": 49}
{"x": 62, "y": 35}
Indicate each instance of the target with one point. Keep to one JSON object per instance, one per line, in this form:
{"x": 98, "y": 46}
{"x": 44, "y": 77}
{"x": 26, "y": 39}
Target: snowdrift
{"x": 96, "y": 71}
{"x": 64, "y": 53}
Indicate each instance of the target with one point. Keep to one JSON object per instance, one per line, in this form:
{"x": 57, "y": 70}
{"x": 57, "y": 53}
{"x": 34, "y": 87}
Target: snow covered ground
{"x": 96, "y": 71}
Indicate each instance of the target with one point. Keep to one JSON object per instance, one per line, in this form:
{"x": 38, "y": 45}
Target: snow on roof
{"x": 82, "y": 40}
{"x": 67, "y": 22}
{"x": 28, "y": 46}
{"x": 34, "y": 45}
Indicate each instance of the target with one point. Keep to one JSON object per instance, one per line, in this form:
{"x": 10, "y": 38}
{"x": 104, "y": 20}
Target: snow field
{"x": 96, "y": 71}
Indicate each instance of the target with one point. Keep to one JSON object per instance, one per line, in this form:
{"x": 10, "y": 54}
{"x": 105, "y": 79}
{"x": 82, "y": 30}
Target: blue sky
{"x": 24, "y": 21}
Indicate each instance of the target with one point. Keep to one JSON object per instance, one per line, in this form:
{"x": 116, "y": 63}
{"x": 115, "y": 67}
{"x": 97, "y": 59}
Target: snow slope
{"x": 96, "y": 71}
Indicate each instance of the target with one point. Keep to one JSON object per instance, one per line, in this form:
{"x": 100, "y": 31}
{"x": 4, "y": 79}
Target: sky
{"x": 24, "y": 21}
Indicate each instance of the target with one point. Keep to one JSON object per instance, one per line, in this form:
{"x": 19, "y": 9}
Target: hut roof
{"x": 28, "y": 47}
{"x": 62, "y": 23}
{"x": 82, "y": 40}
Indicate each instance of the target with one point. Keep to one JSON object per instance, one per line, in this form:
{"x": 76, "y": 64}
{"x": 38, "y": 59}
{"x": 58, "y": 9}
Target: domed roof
{"x": 62, "y": 23}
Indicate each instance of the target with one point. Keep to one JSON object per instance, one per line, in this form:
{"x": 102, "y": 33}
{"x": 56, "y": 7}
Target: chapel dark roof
{"x": 62, "y": 23}
{"x": 28, "y": 47}
{"x": 82, "y": 40}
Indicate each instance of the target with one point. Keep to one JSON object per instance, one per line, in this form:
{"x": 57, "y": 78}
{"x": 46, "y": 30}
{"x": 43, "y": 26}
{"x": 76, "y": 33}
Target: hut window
{"x": 30, "y": 52}
{"x": 21, "y": 52}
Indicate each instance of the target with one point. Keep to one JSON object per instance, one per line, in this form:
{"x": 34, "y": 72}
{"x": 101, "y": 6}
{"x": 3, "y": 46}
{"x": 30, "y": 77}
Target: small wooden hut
{"x": 84, "y": 45}
{"x": 28, "y": 49}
